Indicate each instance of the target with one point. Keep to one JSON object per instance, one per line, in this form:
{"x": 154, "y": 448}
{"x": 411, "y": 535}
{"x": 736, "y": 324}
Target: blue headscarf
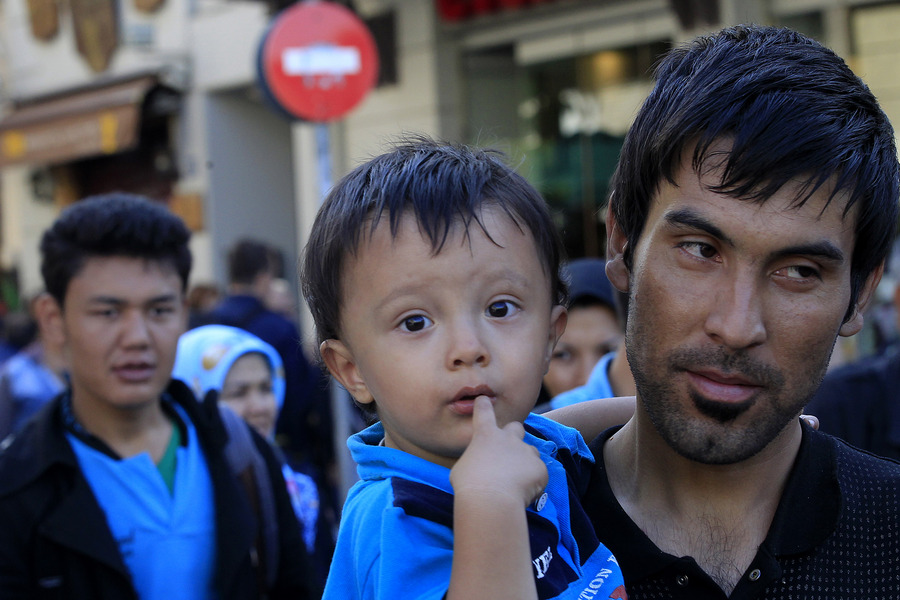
{"x": 206, "y": 354}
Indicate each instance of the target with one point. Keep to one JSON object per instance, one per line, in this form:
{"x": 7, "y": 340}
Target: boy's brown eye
{"x": 498, "y": 309}
{"x": 415, "y": 323}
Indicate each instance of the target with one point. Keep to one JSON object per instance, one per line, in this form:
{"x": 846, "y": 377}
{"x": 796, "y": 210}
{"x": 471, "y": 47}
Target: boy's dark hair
{"x": 109, "y": 225}
{"x": 440, "y": 184}
{"x": 793, "y": 110}
{"x": 249, "y": 258}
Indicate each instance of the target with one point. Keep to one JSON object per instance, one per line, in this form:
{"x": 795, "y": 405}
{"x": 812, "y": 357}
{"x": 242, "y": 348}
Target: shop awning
{"x": 76, "y": 125}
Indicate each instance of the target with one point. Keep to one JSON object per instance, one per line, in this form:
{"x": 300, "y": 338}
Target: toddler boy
{"x": 432, "y": 273}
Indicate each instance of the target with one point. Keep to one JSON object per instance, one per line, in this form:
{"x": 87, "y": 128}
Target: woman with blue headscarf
{"x": 248, "y": 375}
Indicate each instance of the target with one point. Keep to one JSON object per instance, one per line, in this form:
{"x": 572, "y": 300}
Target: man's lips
{"x": 719, "y": 387}
{"x": 464, "y": 400}
{"x": 135, "y": 371}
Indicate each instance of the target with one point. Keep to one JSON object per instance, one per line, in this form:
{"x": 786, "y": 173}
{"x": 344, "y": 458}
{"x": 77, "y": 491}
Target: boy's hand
{"x": 497, "y": 463}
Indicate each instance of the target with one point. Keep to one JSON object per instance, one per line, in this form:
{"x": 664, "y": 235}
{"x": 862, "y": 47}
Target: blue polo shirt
{"x": 396, "y": 532}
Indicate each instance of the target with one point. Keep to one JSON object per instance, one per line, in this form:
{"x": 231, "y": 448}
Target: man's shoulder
{"x": 863, "y": 467}
{"x": 27, "y": 454}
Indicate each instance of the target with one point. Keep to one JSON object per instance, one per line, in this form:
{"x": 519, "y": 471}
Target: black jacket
{"x": 55, "y": 542}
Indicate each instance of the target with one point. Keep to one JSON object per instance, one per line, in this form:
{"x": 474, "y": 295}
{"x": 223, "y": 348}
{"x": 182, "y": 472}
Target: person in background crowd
{"x": 121, "y": 486}
{"x": 304, "y": 424}
{"x": 248, "y": 376}
{"x": 592, "y": 330}
{"x": 202, "y": 298}
{"x": 282, "y": 299}
{"x": 611, "y": 376}
{"x": 18, "y": 330}
{"x": 34, "y": 375}
{"x": 859, "y": 402}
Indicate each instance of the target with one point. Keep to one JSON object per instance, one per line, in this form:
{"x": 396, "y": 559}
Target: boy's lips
{"x": 464, "y": 400}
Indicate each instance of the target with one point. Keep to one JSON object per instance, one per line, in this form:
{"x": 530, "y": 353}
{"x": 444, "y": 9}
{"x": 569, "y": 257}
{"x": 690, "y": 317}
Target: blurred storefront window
{"x": 562, "y": 122}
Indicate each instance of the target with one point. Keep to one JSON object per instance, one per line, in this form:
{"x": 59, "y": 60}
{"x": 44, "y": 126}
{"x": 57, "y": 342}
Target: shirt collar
{"x": 811, "y": 502}
{"x": 72, "y": 426}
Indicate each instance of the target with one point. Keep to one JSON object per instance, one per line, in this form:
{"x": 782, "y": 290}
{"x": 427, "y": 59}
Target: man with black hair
{"x": 752, "y": 210}
{"x": 120, "y": 487}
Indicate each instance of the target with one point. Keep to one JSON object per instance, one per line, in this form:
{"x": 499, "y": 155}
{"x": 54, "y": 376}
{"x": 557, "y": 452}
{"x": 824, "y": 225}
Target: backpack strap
{"x": 249, "y": 467}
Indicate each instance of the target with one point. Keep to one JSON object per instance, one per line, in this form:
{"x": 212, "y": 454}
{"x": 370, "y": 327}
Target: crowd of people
{"x": 539, "y": 428}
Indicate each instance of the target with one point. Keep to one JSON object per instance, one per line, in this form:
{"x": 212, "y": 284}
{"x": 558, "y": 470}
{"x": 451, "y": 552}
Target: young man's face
{"x": 120, "y": 327}
{"x": 423, "y": 335}
{"x": 734, "y": 311}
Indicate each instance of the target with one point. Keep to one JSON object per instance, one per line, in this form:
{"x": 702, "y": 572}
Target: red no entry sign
{"x": 317, "y": 60}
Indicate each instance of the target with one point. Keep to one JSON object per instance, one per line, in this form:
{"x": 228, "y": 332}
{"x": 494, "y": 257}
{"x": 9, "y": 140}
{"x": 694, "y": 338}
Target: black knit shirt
{"x": 835, "y": 534}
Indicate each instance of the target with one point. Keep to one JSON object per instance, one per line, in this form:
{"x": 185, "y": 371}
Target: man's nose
{"x": 135, "y": 327}
{"x": 736, "y": 318}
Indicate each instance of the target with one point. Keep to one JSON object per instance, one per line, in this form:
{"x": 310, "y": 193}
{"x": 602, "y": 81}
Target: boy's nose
{"x": 467, "y": 348}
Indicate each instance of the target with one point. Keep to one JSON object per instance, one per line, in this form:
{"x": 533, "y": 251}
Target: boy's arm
{"x": 494, "y": 480}
{"x": 593, "y": 417}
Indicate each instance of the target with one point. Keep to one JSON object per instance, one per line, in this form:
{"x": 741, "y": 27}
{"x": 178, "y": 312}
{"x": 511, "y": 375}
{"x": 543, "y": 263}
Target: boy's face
{"x": 120, "y": 329}
{"x": 423, "y": 335}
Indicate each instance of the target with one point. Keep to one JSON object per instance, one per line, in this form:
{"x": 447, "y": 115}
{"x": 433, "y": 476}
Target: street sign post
{"x": 317, "y": 61}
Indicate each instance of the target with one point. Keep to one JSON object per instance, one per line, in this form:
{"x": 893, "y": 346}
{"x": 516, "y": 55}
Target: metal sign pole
{"x": 342, "y": 409}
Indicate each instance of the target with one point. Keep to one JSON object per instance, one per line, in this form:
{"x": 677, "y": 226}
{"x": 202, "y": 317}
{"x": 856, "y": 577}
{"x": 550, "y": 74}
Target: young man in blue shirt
{"x": 120, "y": 488}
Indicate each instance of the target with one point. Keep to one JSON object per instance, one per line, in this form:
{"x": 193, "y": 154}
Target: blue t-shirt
{"x": 597, "y": 386}
{"x": 396, "y": 532}
{"x": 167, "y": 540}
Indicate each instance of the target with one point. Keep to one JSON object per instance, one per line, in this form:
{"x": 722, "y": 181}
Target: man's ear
{"x": 616, "y": 242}
{"x": 49, "y": 318}
{"x": 853, "y": 324}
{"x": 342, "y": 366}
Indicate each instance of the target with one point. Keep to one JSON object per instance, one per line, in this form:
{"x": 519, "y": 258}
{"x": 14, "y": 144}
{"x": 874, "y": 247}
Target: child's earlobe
{"x": 558, "y": 319}
{"x": 342, "y": 366}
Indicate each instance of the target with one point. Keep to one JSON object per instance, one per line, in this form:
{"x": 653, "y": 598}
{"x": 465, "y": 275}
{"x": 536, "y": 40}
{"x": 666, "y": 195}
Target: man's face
{"x": 734, "y": 311}
{"x": 120, "y": 327}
